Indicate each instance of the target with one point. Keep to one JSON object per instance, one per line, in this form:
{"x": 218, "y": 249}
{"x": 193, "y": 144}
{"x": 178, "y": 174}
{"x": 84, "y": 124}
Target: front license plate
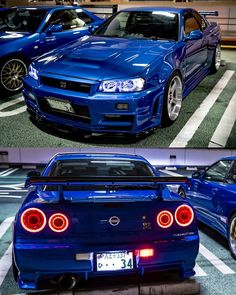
{"x": 60, "y": 105}
{"x": 118, "y": 260}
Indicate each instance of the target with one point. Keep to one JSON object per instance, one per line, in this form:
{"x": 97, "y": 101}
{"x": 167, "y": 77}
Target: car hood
{"x": 99, "y": 58}
{"x": 7, "y": 36}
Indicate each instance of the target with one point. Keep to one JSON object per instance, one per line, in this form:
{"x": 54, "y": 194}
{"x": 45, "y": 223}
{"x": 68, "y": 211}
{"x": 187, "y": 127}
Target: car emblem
{"x": 114, "y": 220}
{"x": 63, "y": 84}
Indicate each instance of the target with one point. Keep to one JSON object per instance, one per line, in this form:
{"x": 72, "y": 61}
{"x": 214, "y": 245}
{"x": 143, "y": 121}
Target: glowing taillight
{"x": 165, "y": 219}
{"x": 184, "y": 215}
{"x": 33, "y": 220}
{"x": 146, "y": 253}
{"x": 58, "y": 222}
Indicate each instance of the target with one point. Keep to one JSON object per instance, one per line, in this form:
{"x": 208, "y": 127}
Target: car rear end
{"x": 105, "y": 234}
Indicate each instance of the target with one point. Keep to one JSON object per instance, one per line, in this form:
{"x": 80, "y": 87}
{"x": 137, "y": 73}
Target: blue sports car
{"x": 130, "y": 76}
{"x": 101, "y": 215}
{"x": 28, "y": 32}
{"x": 213, "y": 194}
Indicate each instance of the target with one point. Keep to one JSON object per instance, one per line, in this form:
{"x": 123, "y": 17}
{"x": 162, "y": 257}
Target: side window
{"x": 67, "y": 18}
{"x": 190, "y": 24}
{"x": 84, "y": 17}
{"x": 201, "y": 21}
{"x": 231, "y": 176}
{"x": 218, "y": 171}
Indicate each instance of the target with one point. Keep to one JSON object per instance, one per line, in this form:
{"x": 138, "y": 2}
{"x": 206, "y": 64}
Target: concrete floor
{"x": 229, "y": 55}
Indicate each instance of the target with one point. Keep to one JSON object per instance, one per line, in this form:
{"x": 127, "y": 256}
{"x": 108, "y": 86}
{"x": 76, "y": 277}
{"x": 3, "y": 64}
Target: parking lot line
{"x": 9, "y": 172}
{"x": 189, "y": 129}
{"x": 225, "y": 126}
{"x": 170, "y": 173}
{"x": 3, "y": 172}
{"x": 5, "y": 225}
{"x": 219, "y": 264}
{"x": 5, "y": 264}
{"x": 199, "y": 271}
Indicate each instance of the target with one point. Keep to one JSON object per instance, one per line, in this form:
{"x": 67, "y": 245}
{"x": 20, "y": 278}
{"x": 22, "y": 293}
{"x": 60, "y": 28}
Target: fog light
{"x": 122, "y": 106}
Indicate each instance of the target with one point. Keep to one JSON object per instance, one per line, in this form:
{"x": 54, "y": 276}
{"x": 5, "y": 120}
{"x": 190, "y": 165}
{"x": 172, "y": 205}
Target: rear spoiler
{"x": 209, "y": 13}
{"x": 108, "y": 182}
{"x": 113, "y": 180}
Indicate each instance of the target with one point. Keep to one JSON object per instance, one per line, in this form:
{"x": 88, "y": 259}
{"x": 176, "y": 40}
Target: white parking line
{"x": 9, "y": 172}
{"x": 199, "y": 271}
{"x": 9, "y": 169}
{"x": 5, "y": 225}
{"x": 11, "y": 196}
{"x": 11, "y": 103}
{"x": 189, "y": 129}
{"x": 5, "y": 264}
{"x": 224, "y": 128}
{"x": 214, "y": 260}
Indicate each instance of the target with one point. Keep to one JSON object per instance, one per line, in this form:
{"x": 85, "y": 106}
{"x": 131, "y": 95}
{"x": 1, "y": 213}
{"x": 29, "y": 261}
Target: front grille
{"x": 81, "y": 111}
{"x": 64, "y": 84}
{"x": 119, "y": 118}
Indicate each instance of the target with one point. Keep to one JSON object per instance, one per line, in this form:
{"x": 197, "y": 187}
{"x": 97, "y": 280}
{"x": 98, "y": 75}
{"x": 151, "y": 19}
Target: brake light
{"x": 58, "y": 222}
{"x": 165, "y": 219}
{"x": 184, "y": 215}
{"x": 144, "y": 253}
{"x": 33, "y": 220}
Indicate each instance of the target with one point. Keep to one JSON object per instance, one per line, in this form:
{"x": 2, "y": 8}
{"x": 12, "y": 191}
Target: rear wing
{"x": 209, "y": 13}
{"x": 107, "y": 182}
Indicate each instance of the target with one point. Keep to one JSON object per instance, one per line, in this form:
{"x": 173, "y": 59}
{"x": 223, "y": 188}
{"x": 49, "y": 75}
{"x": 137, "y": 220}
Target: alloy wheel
{"x": 12, "y": 73}
{"x": 174, "y": 98}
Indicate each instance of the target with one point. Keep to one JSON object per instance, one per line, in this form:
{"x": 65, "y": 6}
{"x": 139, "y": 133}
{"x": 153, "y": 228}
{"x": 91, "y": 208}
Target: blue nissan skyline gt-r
{"x": 213, "y": 195}
{"x": 129, "y": 77}
{"x": 101, "y": 215}
{"x": 28, "y": 32}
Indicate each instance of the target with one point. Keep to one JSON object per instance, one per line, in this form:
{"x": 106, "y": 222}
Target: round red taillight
{"x": 33, "y": 220}
{"x": 184, "y": 215}
{"x": 58, "y": 222}
{"x": 164, "y": 219}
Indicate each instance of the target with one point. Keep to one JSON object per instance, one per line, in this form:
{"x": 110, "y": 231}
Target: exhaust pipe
{"x": 67, "y": 282}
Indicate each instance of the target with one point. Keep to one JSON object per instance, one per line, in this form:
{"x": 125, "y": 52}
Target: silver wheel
{"x": 12, "y": 73}
{"x": 174, "y": 97}
{"x": 232, "y": 236}
{"x": 217, "y": 57}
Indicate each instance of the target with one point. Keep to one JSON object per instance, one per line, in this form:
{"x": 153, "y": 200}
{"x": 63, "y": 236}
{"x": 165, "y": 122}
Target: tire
{"x": 11, "y": 74}
{"x": 182, "y": 193}
{"x": 215, "y": 64}
{"x": 232, "y": 236}
{"x": 14, "y": 269}
{"x": 173, "y": 96}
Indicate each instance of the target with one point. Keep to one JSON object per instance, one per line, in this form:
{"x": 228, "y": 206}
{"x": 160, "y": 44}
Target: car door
{"x": 208, "y": 193}
{"x": 71, "y": 28}
{"x": 196, "y": 50}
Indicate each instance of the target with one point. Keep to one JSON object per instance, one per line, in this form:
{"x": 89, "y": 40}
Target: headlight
{"x": 129, "y": 85}
{"x": 33, "y": 72}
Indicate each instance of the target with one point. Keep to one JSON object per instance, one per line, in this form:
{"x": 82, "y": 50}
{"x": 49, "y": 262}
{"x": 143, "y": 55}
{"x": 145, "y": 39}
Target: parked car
{"x": 101, "y": 215}
{"x": 28, "y": 32}
{"x": 130, "y": 76}
{"x": 213, "y": 194}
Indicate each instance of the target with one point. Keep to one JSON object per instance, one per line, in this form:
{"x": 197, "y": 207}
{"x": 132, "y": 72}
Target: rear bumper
{"x": 39, "y": 262}
{"x": 96, "y": 112}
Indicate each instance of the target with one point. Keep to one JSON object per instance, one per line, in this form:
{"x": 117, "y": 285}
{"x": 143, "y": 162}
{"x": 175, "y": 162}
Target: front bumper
{"x": 94, "y": 111}
{"x": 39, "y": 262}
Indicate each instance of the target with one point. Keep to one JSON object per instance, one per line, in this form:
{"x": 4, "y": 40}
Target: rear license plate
{"x": 118, "y": 260}
{"x": 61, "y": 105}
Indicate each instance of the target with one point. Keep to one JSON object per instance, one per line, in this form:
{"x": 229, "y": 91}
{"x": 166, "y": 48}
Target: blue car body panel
{"x": 94, "y": 59}
{"x": 31, "y": 45}
{"x": 214, "y": 199}
{"x": 47, "y": 255}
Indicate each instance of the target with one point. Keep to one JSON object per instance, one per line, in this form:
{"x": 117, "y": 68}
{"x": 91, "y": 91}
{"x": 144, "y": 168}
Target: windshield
{"x": 141, "y": 24}
{"x": 21, "y": 20}
{"x": 107, "y": 167}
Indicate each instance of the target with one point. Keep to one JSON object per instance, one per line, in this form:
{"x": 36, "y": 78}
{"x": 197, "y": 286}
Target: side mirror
{"x": 54, "y": 29}
{"x": 195, "y": 35}
{"x": 33, "y": 173}
{"x": 92, "y": 28}
{"x": 197, "y": 174}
